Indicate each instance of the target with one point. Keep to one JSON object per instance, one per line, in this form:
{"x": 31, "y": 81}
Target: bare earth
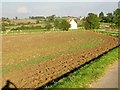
{"x": 109, "y": 79}
{"x": 17, "y": 49}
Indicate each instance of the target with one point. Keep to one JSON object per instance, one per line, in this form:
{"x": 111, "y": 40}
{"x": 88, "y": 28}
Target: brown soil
{"x": 40, "y": 74}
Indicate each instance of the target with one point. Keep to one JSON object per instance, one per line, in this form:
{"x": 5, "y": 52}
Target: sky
{"x": 24, "y": 9}
{"x": 59, "y": 0}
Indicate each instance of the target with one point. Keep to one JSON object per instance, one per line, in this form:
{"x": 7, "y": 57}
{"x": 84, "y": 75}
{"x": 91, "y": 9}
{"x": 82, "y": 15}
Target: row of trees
{"x": 54, "y": 23}
{"x": 92, "y": 21}
{"x": 51, "y": 22}
{"x": 113, "y": 18}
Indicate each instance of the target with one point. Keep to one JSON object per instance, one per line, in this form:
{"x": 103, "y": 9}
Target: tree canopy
{"x": 92, "y": 21}
{"x": 64, "y": 25}
{"x": 101, "y": 16}
{"x": 116, "y": 18}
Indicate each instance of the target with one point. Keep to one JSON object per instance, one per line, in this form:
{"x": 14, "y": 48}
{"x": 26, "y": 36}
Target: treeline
{"x": 113, "y": 18}
{"x": 27, "y": 27}
{"x": 92, "y": 21}
{"x": 36, "y": 17}
{"x": 56, "y": 23}
{"x": 49, "y": 23}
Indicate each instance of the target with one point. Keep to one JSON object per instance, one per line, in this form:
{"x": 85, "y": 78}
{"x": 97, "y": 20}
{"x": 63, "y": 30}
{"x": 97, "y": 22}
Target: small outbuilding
{"x": 73, "y": 24}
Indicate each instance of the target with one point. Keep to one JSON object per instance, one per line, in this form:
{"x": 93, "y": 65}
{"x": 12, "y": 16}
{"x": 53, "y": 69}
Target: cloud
{"x": 23, "y": 10}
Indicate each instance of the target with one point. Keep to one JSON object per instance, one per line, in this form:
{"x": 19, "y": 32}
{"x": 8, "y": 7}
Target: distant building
{"x": 73, "y": 24}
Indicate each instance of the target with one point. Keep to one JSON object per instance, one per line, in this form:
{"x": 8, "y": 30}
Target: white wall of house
{"x": 73, "y": 24}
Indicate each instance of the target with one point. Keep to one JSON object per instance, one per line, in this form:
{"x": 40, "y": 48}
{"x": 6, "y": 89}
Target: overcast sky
{"x": 26, "y": 9}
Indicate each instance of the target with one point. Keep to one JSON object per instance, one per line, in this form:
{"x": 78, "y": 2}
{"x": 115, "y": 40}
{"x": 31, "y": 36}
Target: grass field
{"x": 41, "y": 56}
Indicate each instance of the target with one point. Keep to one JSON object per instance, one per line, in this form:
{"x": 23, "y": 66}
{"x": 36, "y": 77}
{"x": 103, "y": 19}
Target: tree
{"x": 57, "y": 24}
{"x": 48, "y": 26}
{"x": 91, "y": 21}
{"x": 51, "y": 18}
{"x": 16, "y": 17}
{"x": 109, "y": 18}
{"x": 101, "y": 14}
{"x": 64, "y": 25}
{"x": 101, "y": 17}
{"x": 116, "y": 17}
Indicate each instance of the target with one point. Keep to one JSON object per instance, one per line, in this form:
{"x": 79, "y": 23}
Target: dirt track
{"x": 110, "y": 79}
{"x": 38, "y": 75}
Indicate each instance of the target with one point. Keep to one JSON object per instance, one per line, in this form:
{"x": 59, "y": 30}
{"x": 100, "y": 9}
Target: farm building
{"x": 73, "y": 24}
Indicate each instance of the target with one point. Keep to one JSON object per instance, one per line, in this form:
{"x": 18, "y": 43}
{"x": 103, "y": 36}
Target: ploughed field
{"x": 32, "y": 60}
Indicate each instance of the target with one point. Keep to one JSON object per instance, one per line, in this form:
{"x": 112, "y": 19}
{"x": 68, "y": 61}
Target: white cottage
{"x": 73, "y": 24}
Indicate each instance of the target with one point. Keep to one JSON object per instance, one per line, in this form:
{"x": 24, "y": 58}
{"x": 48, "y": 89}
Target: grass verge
{"x": 87, "y": 74}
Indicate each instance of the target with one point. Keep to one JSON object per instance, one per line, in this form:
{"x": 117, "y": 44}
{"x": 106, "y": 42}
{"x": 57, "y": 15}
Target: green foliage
{"x": 23, "y": 27}
{"x": 64, "y": 25}
{"x": 101, "y": 16}
{"x": 112, "y": 18}
{"x": 52, "y": 22}
{"x": 92, "y": 21}
{"x": 51, "y": 18}
{"x": 37, "y": 21}
{"x": 48, "y": 26}
{"x": 57, "y": 24}
{"x": 36, "y": 17}
{"x": 3, "y": 27}
{"x": 116, "y": 18}
{"x": 109, "y": 18}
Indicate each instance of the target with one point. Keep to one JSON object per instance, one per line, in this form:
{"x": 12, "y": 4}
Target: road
{"x": 110, "y": 78}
